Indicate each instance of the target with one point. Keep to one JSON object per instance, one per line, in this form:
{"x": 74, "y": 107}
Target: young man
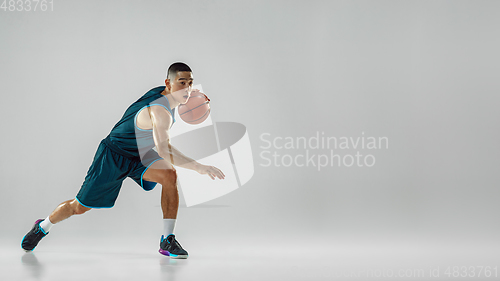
{"x": 128, "y": 152}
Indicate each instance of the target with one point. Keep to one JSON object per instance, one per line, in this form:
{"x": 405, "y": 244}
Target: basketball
{"x": 196, "y": 110}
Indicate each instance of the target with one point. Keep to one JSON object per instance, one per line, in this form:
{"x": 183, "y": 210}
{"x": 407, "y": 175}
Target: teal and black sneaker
{"x": 170, "y": 247}
{"x": 31, "y": 239}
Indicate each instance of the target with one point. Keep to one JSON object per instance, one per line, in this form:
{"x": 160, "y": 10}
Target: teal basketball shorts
{"x": 110, "y": 167}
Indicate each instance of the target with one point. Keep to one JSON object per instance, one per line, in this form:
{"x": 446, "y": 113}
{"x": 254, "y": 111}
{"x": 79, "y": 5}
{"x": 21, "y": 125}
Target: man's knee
{"x": 78, "y": 209}
{"x": 169, "y": 176}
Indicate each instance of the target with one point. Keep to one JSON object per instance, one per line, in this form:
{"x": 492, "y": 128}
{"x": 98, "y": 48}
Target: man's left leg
{"x": 164, "y": 173}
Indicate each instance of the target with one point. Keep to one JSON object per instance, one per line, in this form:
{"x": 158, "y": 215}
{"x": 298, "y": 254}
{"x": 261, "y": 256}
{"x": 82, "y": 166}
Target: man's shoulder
{"x": 160, "y": 110}
{"x": 161, "y": 116}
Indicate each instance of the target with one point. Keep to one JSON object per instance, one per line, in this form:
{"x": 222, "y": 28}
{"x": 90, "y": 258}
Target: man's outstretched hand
{"x": 211, "y": 171}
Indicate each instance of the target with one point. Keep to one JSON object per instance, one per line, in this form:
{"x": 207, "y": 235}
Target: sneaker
{"x": 170, "y": 247}
{"x": 31, "y": 239}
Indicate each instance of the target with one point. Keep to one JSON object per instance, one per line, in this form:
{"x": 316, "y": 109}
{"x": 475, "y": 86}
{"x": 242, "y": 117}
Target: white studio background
{"x": 424, "y": 74}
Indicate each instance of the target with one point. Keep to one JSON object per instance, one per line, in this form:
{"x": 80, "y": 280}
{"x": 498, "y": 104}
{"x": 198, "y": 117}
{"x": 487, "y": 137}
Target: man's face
{"x": 181, "y": 86}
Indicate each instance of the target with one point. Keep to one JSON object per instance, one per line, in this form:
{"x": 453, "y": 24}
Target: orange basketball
{"x": 196, "y": 110}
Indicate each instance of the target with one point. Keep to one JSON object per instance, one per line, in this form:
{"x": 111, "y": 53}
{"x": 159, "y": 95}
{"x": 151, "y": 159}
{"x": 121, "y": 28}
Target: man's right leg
{"x": 99, "y": 190}
{"x": 66, "y": 209}
{"x": 62, "y": 212}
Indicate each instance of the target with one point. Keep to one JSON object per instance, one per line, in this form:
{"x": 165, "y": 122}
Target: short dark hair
{"x": 176, "y": 67}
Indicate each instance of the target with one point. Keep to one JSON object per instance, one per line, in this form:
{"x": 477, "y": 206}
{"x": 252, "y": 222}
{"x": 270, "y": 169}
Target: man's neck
{"x": 171, "y": 101}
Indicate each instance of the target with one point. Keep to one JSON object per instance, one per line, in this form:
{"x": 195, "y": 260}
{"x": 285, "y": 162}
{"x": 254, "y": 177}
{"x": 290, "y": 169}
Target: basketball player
{"x": 127, "y": 152}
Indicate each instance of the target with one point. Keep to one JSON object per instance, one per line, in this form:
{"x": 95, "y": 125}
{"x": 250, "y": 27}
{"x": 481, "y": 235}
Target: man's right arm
{"x": 162, "y": 121}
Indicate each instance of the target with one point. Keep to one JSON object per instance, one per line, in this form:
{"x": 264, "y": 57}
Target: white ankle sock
{"x": 46, "y": 225}
{"x": 168, "y": 226}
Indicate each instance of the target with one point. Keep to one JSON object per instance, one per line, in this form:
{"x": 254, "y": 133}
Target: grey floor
{"x": 269, "y": 257}
{"x": 240, "y": 242}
